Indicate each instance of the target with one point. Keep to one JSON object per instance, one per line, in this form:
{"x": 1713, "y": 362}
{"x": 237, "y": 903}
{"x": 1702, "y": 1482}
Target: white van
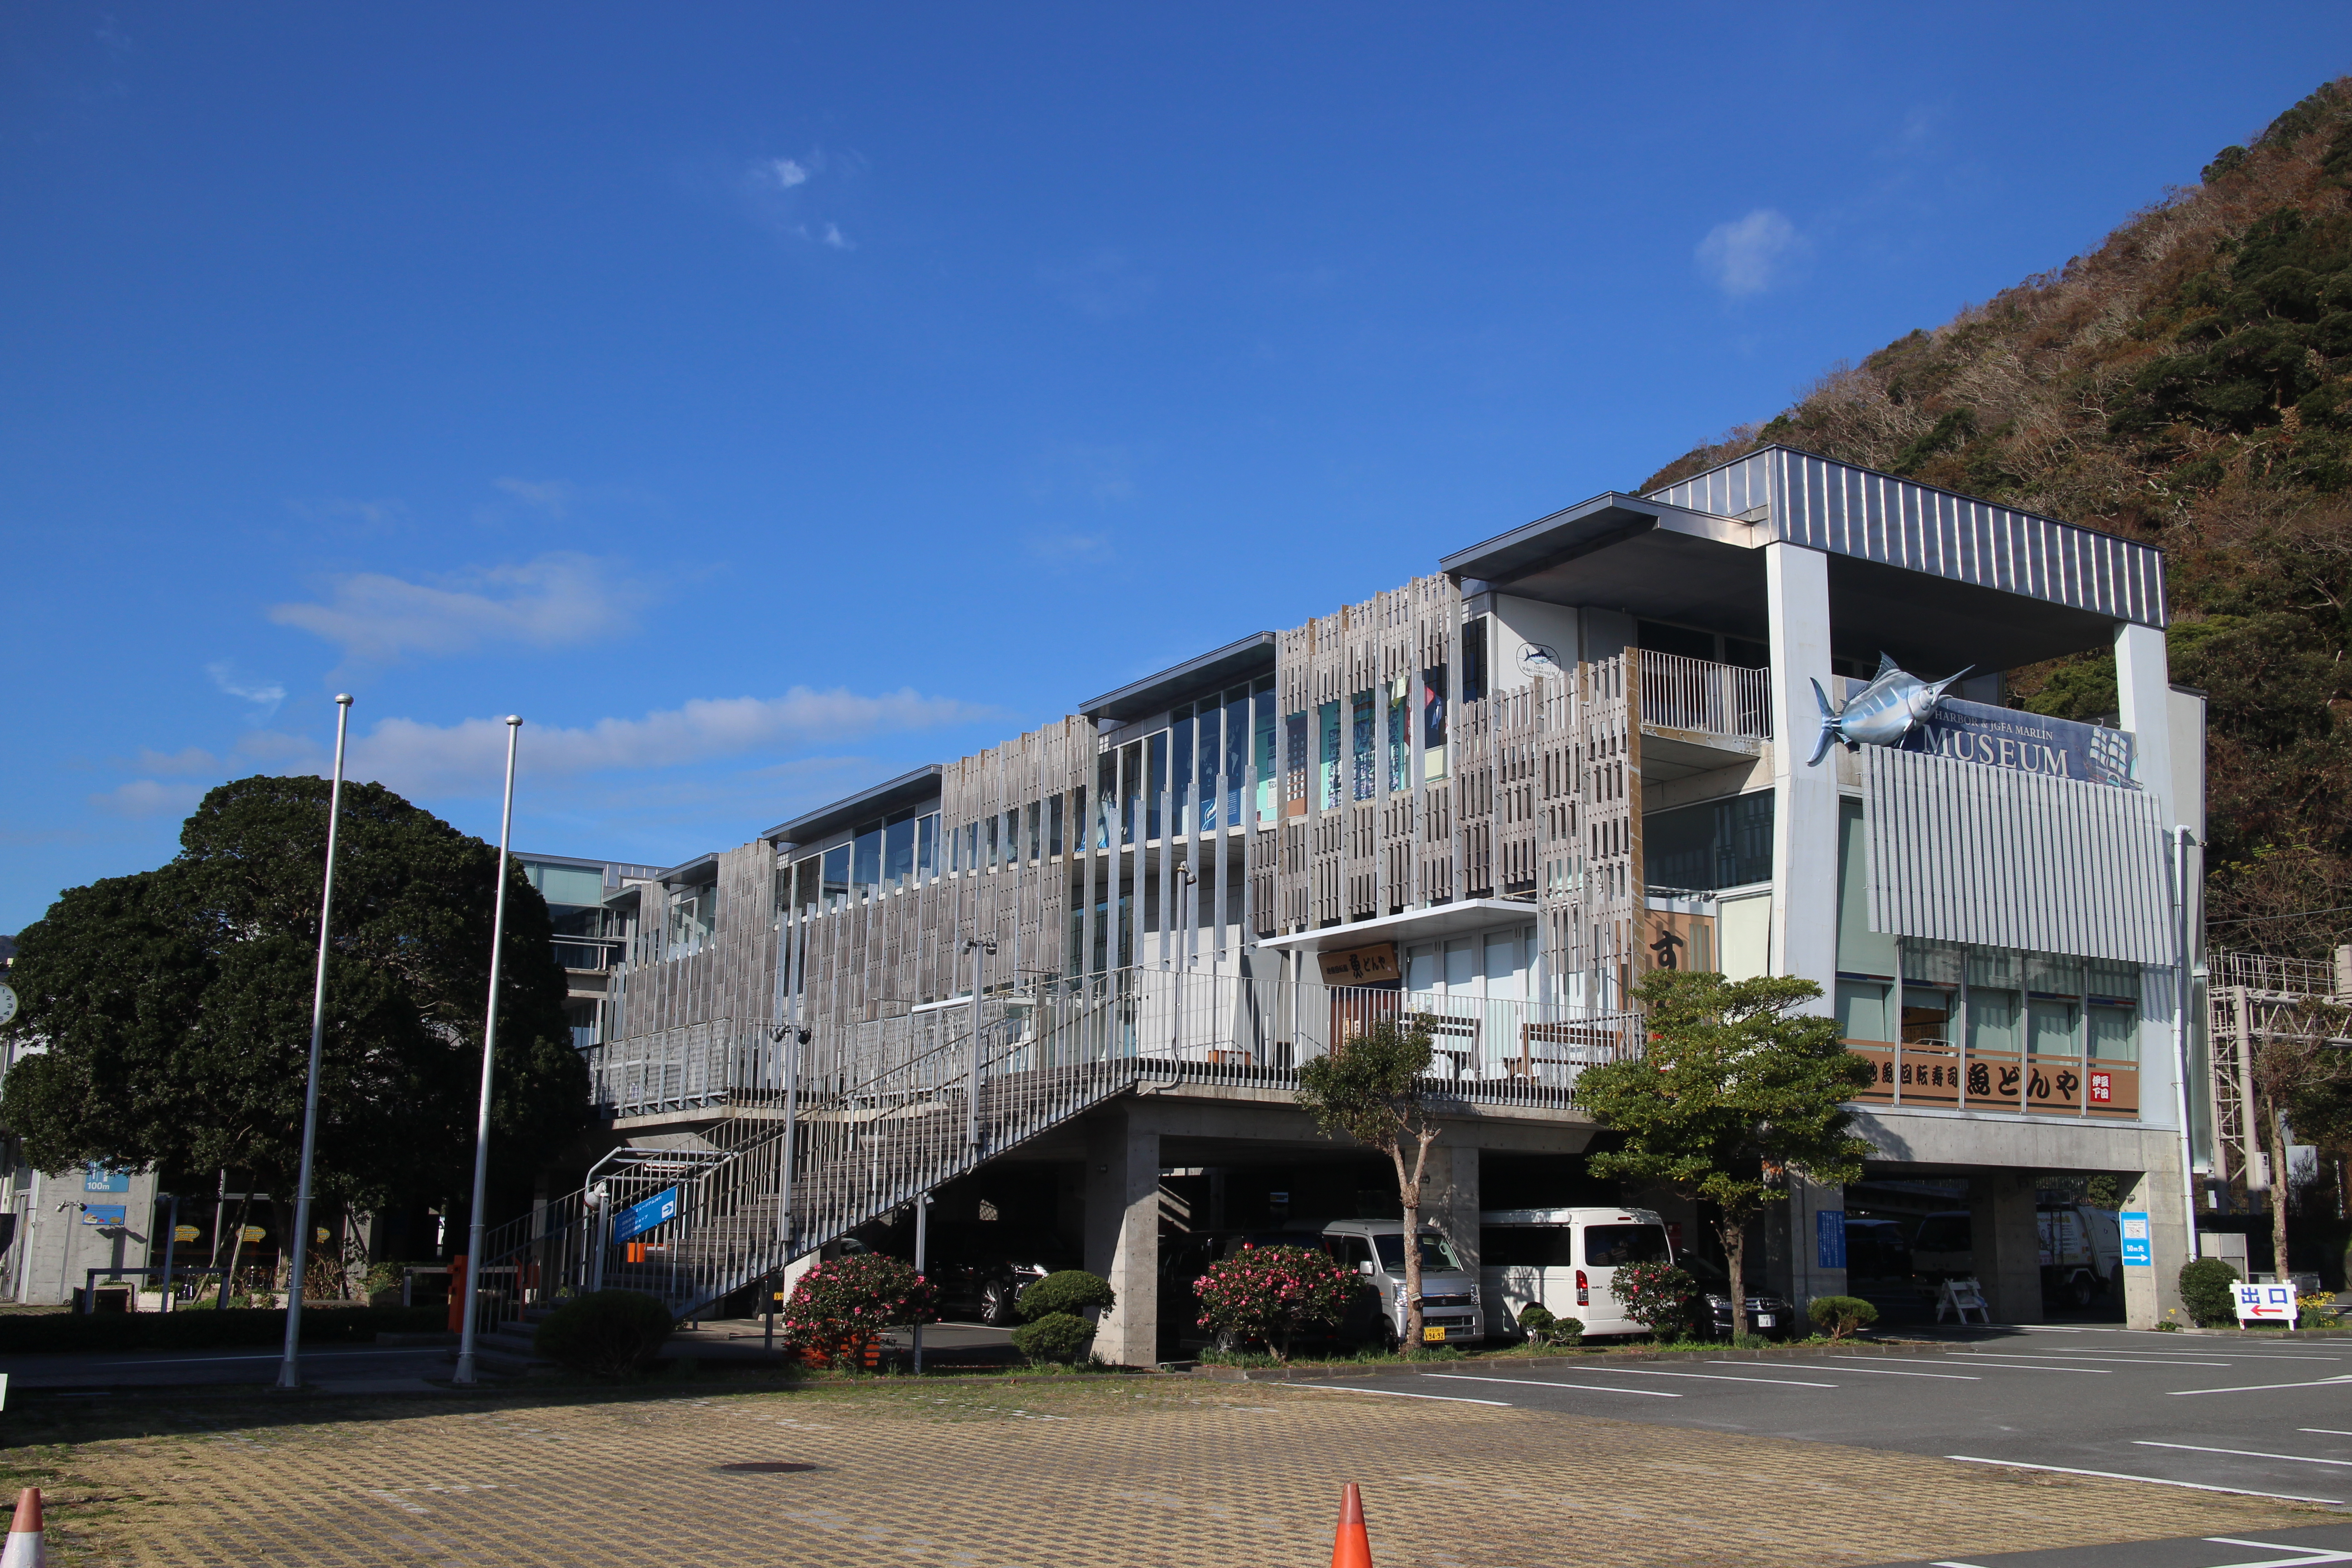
{"x": 1374, "y": 1248}
{"x": 1563, "y": 1259}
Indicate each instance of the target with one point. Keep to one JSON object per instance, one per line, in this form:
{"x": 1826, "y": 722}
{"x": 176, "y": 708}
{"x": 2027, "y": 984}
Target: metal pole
{"x": 170, "y": 1242}
{"x": 2181, "y": 839}
{"x": 290, "y": 1364}
{"x": 922, "y": 1251}
{"x": 978, "y": 947}
{"x": 473, "y": 1281}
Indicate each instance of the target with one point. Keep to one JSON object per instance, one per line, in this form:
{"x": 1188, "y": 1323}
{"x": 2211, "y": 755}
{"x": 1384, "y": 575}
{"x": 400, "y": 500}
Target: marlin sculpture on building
{"x": 1881, "y": 712}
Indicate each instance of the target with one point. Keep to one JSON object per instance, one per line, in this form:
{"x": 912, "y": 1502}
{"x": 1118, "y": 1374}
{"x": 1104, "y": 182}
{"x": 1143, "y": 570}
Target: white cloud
{"x": 786, "y": 172}
{"x": 145, "y": 797}
{"x": 834, "y": 237}
{"x": 553, "y": 497}
{"x": 555, "y": 601}
{"x": 470, "y": 756}
{"x": 1752, "y": 254}
{"x": 264, "y": 695}
{"x": 379, "y": 516}
{"x": 194, "y": 760}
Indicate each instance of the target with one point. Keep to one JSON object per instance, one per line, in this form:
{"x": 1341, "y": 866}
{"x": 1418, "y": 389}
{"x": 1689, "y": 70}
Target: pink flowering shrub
{"x": 1272, "y": 1293}
{"x": 839, "y": 1309}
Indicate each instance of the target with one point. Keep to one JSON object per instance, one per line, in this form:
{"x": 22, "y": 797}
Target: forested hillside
{"x": 2189, "y": 383}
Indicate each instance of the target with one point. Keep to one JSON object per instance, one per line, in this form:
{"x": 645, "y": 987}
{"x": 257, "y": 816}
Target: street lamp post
{"x": 473, "y": 1281}
{"x": 290, "y": 1364}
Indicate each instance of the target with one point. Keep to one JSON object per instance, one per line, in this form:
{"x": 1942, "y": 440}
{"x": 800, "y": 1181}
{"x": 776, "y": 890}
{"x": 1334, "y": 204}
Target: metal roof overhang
{"x": 916, "y": 788}
{"x": 1253, "y": 655}
{"x": 1413, "y": 925}
{"x": 1663, "y": 562}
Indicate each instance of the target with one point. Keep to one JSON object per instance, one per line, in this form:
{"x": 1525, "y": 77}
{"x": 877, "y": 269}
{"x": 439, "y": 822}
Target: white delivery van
{"x": 1374, "y": 1248}
{"x": 1564, "y": 1260}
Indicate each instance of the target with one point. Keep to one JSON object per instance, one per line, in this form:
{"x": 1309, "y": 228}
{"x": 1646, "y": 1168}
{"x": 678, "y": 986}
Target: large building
{"x": 1751, "y": 722}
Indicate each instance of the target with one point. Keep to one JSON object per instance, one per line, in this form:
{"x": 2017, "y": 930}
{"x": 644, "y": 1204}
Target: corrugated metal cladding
{"x": 1857, "y": 511}
{"x": 1961, "y": 852}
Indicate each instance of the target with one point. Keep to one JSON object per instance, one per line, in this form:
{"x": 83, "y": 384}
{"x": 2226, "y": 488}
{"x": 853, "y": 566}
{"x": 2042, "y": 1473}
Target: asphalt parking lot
{"x": 2181, "y": 1410}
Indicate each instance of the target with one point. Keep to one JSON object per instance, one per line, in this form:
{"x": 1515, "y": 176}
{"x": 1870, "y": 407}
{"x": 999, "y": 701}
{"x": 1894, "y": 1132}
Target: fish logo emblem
{"x": 1881, "y": 712}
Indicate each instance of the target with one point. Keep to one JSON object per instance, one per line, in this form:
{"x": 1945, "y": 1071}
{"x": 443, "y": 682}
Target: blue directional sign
{"x": 1828, "y": 1239}
{"x": 105, "y": 1215}
{"x": 2139, "y": 1251}
{"x": 97, "y": 1178}
{"x": 641, "y": 1218}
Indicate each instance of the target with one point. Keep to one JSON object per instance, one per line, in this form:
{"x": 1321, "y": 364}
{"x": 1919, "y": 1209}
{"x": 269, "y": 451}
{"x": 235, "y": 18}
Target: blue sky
{"x": 762, "y": 400}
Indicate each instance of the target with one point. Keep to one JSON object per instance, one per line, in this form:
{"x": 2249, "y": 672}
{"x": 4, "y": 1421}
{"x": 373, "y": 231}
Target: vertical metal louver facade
{"x": 1848, "y": 511}
{"x": 1961, "y": 852}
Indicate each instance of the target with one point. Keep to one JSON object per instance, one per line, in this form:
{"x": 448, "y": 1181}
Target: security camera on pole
{"x": 473, "y": 1281}
{"x": 289, "y": 1365}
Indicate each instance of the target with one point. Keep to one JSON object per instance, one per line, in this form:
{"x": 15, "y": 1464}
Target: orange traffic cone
{"x": 26, "y": 1547}
{"x": 1353, "y": 1546}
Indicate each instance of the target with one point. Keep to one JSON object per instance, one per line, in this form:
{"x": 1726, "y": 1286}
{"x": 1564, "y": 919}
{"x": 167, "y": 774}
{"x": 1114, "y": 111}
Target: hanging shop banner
{"x": 640, "y": 1219}
{"x": 2026, "y": 743}
{"x": 1359, "y": 966}
{"x": 1828, "y": 1239}
{"x": 253, "y": 1233}
{"x": 185, "y": 1233}
{"x": 1677, "y": 941}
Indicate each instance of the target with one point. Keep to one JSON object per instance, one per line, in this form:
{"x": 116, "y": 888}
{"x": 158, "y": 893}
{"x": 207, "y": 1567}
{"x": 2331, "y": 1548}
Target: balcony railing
{"x": 1705, "y": 698}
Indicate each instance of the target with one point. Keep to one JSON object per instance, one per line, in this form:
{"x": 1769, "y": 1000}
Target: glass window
{"x": 1155, "y": 765}
{"x": 898, "y": 852}
{"x": 2115, "y": 1033}
{"x": 1130, "y": 788}
{"x": 1614, "y": 1245}
{"x": 993, "y": 822}
{"x": 1400, "y": 734}
{"x": 2050, "y": 1027}
{"x": 1719, "y": 844}
{"x": 836, "y": 874}
{"x": 1475, "y": 640}
{"x": 1293, "y": 753}
{"x": 1433, "y": 722}
{"x": 1420, "y": 968}
{"x": 927, "y": 846}
{"x": 1926, "y": 1015}
{"x": 1262, "y": 749}
{"x": 1861, "y": 1010}
{"x": 1209, "y": 746}
{"x": 1992, "y": 1019}
{"x": 865, "y": 864}
{"x": 1435, "y": 1254}
{"x": 972, "y": 845}
{"x": 1054, "y": 824}
{"x": 1105, "y": 793}
{"x": 2053, "y": 975}
{"x": 1012, "y": 836}
{"x": 1461, "y": 964}
{"x": 1327, "y": 755}
{"x": 2113, "y": 981}
{"x": 1657, "y": 636}
{"x": 1179, "y": 772}
{"x": 1363, "y": 755}
{"x": 1237, "y": 743}
{"x": 1526, "y": 1247}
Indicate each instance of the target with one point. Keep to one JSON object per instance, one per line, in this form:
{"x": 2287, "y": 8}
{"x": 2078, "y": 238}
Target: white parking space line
{"x": 2311, "y": 1553}
{"x": 2335, "y": 1382}
{"x": 1400, "y": 1393}
{"x": 1887, "y": 1371}
{"x": 2089, "y": 1356}
{"x": 2151, "y": 1481}
{"x": 1714, "y": 1377}
{"x": 2242, "y": 1453}
{"x": 1539, "y": 1383}
{"x": 2327, "y": 1431}
{"x": 2019, "y": 1365}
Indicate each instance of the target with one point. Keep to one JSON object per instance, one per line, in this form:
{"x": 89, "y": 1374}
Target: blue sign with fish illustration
{"x": 1899, "y": 709}
{"x": 641, "y": 1218}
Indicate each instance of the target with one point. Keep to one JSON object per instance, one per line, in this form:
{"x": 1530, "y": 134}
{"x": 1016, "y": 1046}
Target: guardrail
{"x": 1705, "y": 698}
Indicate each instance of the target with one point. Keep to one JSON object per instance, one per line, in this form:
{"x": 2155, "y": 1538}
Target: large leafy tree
{"x": 1370, "y": 1089}
{"x": 1737, "y": 1088}
{"x": 176, "y": 1004}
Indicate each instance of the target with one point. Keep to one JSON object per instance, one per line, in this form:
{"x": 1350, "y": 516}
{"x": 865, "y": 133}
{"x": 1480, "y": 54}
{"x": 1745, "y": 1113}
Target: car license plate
{"x": 1763, "y": 1320}
{"x": 1432, "y": 1332}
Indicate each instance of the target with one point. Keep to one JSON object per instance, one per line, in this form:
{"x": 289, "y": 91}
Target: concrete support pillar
{"x": 2007, "y": 1248}
{"x": 2152, "y": 1293}
{"x": 1122, "y": 1233}
{"x": 1449, "y": 1197}
{"x": 1816, "y": 1249}
{"x": 1804, "y": 798}
{"x": 2143, "y": 696}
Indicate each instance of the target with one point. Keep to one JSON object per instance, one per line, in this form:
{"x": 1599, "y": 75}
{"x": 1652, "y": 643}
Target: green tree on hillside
{"x": 174, "y": 1004}
{"x": 1735, "y": 1089}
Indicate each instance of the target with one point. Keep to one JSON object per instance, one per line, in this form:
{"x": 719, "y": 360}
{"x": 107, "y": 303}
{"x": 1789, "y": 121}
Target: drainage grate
{"x": 765, "y": 1467}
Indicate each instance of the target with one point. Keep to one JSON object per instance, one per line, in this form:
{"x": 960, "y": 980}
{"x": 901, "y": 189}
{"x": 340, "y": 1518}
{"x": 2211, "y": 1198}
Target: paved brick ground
{"x": 1087, "y": 1474}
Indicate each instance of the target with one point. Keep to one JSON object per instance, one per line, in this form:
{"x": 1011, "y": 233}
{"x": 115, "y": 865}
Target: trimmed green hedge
{"x": 48, "y": 1332}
